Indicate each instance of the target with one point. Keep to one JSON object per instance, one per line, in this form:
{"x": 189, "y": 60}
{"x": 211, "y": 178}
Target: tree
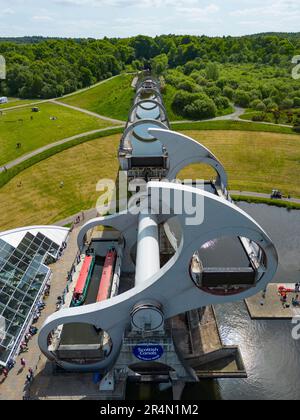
{"x": 201, "y": 108}
{"x": 287, "y": 104}
{"x": 144, "y": 46}
{"x": 228, "y": 92}
{"x": 212, "y": 71}
{"x": 242, "y": 98}
{"x": 159, "y": 64}
{"x": 86, "y": 77}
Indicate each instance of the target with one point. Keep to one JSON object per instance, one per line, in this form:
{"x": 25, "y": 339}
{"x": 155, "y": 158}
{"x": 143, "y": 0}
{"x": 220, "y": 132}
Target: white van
{"x": 3, "y": 100}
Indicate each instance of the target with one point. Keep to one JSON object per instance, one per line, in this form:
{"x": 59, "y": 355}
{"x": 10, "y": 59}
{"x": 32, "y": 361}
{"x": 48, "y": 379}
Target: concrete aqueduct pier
{"x": 140, "y": 304}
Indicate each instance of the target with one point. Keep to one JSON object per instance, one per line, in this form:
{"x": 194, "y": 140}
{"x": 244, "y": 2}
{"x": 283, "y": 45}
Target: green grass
{"x": 7, "y": 176}
{"x": 17, "y": 127}
{"x": 17, "y": 102}
{"x": 268, "y": 201}
{"x": 111, "y": 99}
{"x": 254, "y": 161}
{"x": 34, "y": 196}
{"x": 233, "y": 125}
{"x": 114, "y": 99}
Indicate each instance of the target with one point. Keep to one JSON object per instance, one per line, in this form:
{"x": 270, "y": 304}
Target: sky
{"x": 123, "y": 18}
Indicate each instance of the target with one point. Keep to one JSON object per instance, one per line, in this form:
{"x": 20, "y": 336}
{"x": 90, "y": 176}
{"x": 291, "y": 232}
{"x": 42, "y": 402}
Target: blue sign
{"x": 148, "y": 352}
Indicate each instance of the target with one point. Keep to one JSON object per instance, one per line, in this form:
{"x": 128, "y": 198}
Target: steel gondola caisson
{"x": 83, "y": 282}
{"x": 107, "y": 276}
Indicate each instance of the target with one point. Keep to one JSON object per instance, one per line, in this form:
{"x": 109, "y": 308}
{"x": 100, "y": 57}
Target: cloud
{"x": 129, "y": 3}
{"x": 42, "y": 18}
{"x": 270, "y": 10}
{"x": 7, "y": 11}
{"x": 199, "y": 14}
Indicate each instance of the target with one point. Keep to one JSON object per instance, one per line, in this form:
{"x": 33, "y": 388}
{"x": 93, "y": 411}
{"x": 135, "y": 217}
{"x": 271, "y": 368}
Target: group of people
{"x": 284, "y": 296}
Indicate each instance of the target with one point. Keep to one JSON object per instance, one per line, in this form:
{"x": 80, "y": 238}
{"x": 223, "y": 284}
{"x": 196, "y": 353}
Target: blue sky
{"x": 121, "y": 18}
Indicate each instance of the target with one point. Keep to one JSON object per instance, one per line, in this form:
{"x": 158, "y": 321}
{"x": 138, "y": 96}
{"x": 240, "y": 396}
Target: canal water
{"x": 271, "y": 355}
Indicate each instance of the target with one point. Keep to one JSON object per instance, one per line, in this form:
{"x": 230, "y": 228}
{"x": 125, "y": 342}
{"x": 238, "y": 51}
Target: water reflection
{"x": 271, "y": 356}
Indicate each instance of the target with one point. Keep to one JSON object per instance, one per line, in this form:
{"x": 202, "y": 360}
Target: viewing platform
{"x": 269, "y": 305}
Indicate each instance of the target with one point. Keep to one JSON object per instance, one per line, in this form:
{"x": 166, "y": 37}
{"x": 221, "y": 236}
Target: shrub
{"x": 187, "y": 85}
{"x": 287, "y": 104}
{"x": 258, "y": 118}
{"x": 242, "y": 98}
{"x": 201, "y": 108}
{"x": 222, "y": 102}
{"x": 212, "y": 71}
{"x": 228, "y": 92}
{"x": 296, "y": 102}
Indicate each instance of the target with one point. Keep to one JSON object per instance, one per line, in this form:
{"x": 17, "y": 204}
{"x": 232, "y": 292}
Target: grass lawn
{"x": 254, "y": 161}
{"x": 34, "y": 196}
{"x": 17, "y": 102}
{"x": 17, "y": 127}
{"x": 112, "y": 99}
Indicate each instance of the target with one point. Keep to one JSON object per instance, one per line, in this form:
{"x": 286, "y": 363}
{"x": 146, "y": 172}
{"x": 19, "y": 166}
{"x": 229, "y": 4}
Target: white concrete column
{"x": 148, "y": 256}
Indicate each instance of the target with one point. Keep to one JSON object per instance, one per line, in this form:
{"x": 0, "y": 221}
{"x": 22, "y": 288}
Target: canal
{"x": 271, "y": 355}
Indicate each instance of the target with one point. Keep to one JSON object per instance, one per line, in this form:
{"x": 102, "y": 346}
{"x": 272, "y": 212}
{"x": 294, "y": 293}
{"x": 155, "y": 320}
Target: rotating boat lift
{"x": 140, "y": 315}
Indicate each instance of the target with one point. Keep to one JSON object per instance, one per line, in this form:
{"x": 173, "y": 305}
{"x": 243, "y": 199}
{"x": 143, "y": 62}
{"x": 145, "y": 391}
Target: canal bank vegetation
{"x": 270, "y": 202}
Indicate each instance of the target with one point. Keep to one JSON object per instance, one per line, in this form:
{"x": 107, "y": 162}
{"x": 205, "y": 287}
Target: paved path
{"x": 235, "y": 116}
{"x": 262, "y": 195}
{"x": 90, "y": 113}
{"x": 13, "y": 387}
{"x": 36, "y": 152}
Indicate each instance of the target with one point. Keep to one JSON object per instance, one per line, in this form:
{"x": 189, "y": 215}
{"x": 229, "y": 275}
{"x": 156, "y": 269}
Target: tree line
{"x": 46, "y": 68}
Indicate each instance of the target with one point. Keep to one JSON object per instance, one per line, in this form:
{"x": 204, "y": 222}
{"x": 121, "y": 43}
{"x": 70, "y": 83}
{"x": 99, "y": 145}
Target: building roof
{"x": 24, "y": 254}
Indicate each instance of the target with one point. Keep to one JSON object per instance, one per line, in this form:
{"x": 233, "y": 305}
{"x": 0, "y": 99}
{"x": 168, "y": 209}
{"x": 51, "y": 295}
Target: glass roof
{"x": 23, "y": 275}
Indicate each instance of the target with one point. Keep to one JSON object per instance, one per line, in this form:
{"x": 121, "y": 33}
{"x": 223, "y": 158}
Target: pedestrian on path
{"x": 23, "y": 363}
{"x": 5, "y": 373}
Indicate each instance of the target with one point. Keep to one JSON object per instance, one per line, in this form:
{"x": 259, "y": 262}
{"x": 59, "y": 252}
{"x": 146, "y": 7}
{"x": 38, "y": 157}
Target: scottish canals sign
{"x": 148, "y": 352}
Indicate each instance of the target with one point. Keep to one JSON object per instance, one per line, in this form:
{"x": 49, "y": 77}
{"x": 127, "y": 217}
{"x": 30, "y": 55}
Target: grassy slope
{"x": 112, "y": 99}
{"x": 17, "y": 102}
{"x": 35, "y": 196}
{"x": 255, "y": 162}
{"x": 17, "y": 126}
{"x": 233, "y": 125}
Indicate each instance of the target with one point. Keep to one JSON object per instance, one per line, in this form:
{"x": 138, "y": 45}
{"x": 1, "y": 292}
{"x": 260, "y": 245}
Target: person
{"x": 30, "y": 372}
{"x": 297, "y": 287}
{"x": 295, "y": 301}
{"x": 33, "y": 330}
{"x": 10, "y": 364}
{"x": 23, "y": 363}
{"x": 28, "y": 378}
{"x": 284, "y": 299}
{"x": 5, "y": 372}
{"x": 23, "y": 347}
